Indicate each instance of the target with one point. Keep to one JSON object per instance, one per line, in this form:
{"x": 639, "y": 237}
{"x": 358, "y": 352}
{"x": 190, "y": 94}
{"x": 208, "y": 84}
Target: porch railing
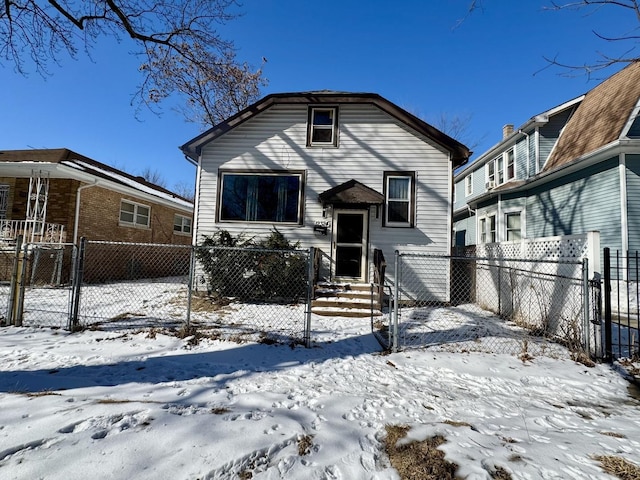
{"x": 32, "y": 231}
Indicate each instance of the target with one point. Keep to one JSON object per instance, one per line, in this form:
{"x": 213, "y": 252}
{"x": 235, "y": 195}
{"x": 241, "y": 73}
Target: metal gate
{"x": 621, "y": 305}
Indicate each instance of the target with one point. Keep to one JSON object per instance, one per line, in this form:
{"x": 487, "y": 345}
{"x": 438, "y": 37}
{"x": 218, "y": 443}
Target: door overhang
{"x": 351, "y": 194}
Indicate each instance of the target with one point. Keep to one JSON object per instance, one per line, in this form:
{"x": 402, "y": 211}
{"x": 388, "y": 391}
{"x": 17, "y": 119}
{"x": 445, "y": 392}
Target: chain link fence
{"x": 215, "y": 292}
{"x": 7, "y": 255}
{"x": 129, "y": 285}
{"x": 497, "y": 305}
{"x": 246, "y": 293}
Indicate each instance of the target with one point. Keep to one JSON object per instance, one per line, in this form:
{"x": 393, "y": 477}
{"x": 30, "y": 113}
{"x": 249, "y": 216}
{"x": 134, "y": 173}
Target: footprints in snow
{"x": 102, "y": 426}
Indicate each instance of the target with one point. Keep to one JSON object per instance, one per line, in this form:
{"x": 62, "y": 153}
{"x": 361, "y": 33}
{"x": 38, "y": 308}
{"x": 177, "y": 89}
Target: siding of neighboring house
{"x": 633, "y": 201}
{"x": 549, "y": 134}
{"x": 370, "y": 142}
{"x": 521, "y": 158}
{"x": 466, "y": 231}
{"x": 583, "y": 201}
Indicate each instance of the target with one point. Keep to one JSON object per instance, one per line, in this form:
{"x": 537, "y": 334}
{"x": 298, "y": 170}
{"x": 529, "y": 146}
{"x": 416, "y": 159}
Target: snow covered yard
{"x": 142, "y": 404}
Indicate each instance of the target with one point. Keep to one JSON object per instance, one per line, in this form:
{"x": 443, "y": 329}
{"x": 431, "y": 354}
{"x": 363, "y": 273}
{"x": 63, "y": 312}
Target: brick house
{"x": 56, "y": 196}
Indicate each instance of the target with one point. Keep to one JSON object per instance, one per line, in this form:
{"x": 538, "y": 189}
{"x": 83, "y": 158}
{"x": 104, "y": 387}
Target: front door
{"x": 350, "y": 244}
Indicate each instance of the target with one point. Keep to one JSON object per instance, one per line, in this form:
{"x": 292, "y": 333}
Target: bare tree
{"x": 176, "y": 39}
{"x": 457, "y": 126}
{"x": 215, "y": 88}
{"x": 185, "y": 190}
{"x": 153, "y": 176}
{"x": 630, "y": 38}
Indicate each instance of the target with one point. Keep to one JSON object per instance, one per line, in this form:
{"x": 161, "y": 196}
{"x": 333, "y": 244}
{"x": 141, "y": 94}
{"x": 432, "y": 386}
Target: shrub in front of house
{"x": 268, "y": 269}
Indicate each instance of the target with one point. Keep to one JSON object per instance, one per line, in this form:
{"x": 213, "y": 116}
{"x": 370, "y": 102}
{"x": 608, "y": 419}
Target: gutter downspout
{"x": 77, "y": 213}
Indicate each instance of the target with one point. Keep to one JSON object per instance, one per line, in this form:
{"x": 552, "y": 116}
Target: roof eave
{"x": 459, "y": 153}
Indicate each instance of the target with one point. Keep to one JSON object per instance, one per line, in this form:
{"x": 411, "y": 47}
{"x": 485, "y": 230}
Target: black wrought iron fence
{"x": 621, "y": 301}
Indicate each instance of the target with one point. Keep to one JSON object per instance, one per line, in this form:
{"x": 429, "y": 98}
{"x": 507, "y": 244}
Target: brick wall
{"x": 100, "y": 219}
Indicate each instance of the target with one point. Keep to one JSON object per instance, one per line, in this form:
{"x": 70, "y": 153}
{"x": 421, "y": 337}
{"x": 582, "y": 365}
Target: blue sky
{"x": 489, "y": 68}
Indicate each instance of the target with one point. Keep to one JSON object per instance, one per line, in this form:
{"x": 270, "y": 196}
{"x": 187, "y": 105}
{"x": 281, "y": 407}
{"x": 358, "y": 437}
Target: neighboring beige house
{"x": 57, "y": 196}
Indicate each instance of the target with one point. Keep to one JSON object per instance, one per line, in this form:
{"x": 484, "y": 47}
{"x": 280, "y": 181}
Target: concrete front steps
{"x": 344, "y": 300}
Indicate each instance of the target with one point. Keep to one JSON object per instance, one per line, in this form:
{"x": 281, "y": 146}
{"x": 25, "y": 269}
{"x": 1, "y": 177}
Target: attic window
{"x": 322, "y": 127}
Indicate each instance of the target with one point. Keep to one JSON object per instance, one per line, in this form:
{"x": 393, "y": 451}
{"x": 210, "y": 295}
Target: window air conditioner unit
{"x": 491, "y": 184}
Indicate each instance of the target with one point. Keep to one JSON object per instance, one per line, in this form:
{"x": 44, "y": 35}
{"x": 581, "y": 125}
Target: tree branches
{"x": 177, "y": 40}
{"x": 604, "y": 60}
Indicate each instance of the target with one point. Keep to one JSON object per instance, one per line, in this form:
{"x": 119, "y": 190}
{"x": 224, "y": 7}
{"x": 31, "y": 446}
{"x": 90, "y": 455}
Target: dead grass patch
{"x": 613, "y": 434}
{"x": 220, "y": 410}
{"x": 500, "y": 474}
{"x": 618, "y": 466}
{"x": 205, "y": 303}
{"x": 453, "y": 423}
{"x": 417, "y": 460}
{"x": 305, "y": 443}
{"x": 46, "y": 393}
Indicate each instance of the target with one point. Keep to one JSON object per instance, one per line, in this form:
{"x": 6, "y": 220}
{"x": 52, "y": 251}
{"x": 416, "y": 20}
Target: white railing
{"x": 32, "y": 231}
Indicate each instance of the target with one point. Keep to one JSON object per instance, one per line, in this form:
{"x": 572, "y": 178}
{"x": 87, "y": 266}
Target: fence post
{"x": 21, "y": 283}
{"x": 192, "y": 270}
{"x": 13, "y": 290}
{"x": 586, "y": 324}
{"x": 396, "y": 301}
{"x": 310, "y": 277}
{"x": 607, "y": 304}
{"x": 76, "y": 287}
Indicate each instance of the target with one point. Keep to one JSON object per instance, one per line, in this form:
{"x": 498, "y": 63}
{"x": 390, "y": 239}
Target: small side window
{"x": 181, "y": 224}
{"x": 134, "y": 214}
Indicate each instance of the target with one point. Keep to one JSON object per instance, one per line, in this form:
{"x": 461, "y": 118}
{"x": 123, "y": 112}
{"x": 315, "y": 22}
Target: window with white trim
{"x": 399, "y": 198}
{"x": 513, "y": 226}
{"x": 468, "y": 184}
{"x": 501, "y": 169}
{"x": 134, "y": 214}
{"x": 181, "y": 224}
{"x": 271, "y": 197}
{"x": 322, "y": 127}
{"x": 487, "y": 229}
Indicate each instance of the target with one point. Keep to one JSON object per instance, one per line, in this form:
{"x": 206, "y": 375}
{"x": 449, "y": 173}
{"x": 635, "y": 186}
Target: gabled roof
{"x": 351, "y": 192}
{"x": 459, "y": 152}
{"x": 74, "y": 165}
{"x": 600, "y": 118}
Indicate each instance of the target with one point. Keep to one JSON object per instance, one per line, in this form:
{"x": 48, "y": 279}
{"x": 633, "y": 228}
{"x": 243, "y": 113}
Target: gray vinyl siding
{"x": 370, "y": 142}
{"x": 584, "y": 201}
{"x": 633, "y": 201}
{"x": 465, "y": 231}
{"x": 520, "y": 151}
{"x": 478, "y": 187}
{"x": 550, "y": 132}
{"x": 461, "y": 198}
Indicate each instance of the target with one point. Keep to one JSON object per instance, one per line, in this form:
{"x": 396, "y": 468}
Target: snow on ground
{"x": 132, "y": 404}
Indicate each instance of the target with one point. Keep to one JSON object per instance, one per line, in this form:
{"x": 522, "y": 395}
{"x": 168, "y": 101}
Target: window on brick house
{"x": 134, "y": 214}
{"x": 181, "y": 224}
